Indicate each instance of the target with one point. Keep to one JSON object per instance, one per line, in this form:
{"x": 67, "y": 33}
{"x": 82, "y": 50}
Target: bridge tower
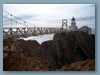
{"x": 64, "y": 23}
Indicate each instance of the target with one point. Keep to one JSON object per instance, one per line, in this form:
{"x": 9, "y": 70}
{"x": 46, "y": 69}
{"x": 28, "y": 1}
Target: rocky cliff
{"x": 60, "y": 53}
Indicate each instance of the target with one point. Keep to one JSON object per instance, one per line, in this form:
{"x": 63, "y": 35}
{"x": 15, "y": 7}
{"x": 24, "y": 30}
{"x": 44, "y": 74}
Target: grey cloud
{"x": 86, "y": 18}
{"x": 25, "y": 17}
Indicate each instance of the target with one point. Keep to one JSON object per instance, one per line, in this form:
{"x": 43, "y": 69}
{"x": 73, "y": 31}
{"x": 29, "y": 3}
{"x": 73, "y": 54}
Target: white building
{"x": 86, "y": 29}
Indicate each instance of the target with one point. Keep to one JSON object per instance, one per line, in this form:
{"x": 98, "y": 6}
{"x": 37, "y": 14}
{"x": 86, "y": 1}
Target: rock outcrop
{"x": 30, "y": 48}
{"x": 66, "y": 49}
{"x": 16, "y": 62}
{"x": 76, "y": 45}
{"x": 52, "y": 53}
{"x": 88, "y": 65}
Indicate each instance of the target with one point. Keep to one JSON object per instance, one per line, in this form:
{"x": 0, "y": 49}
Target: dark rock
{"x": 60, "y": 36}
{"x": 62, "y": 39}
{"x": 30, "y": 48}
{"x": 83, "y": 43}
{"x": 75, "y": 46}
{"x": 93, "y": 36}
{"x": 65, "y": 48}
{"x": 52, "y": 53}
{"x": 16, "y": 62}
{"x": 88, "y": 65}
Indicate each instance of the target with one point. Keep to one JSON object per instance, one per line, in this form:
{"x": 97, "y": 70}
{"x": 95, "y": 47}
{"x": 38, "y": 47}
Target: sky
{"x": 50, "y": 15}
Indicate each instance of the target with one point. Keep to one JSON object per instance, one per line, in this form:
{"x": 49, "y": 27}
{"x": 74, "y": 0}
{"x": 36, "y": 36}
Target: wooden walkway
{"x": 25, "y": 32}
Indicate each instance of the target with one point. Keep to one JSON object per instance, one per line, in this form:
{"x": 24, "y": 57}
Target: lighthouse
{"x": 73, "y": 22}
{"x": 73, "y": 26}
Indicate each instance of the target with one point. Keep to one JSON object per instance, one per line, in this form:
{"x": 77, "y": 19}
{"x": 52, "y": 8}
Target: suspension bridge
{"x": 17, "y": 27}
{"x": 26, "y": 29}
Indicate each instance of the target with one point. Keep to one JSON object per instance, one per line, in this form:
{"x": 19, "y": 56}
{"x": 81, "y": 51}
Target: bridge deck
{"x": 23, "y": 31}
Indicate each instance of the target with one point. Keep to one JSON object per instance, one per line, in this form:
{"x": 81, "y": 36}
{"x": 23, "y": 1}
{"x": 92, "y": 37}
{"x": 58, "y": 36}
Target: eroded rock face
{"x": 65, "y": 48}
{"x": 83, "y": 43}
{"x": 60, "y": 36}
{"x": 76, "y": 45}
{"x": 88, "y": 65}
{"x": 53, "y": 53}
{"x": 16, "y": 62}
{"x": 63, "y": 42}
{"x": 30, "y": 48}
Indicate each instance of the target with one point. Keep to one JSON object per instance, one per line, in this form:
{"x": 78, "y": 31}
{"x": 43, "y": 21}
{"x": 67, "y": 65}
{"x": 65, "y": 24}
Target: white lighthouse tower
{"x": 73, "y": 26}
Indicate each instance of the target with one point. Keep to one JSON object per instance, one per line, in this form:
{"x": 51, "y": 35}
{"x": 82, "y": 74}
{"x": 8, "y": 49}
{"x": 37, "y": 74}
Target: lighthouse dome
{"x": 73, "y": 18}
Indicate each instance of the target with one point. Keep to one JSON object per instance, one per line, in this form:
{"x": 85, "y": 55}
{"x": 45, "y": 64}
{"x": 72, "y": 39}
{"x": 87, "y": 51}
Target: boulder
{"x": 63, "y": 42}
{"x": 30, "y": 48}
{"x": 52, "y": 53}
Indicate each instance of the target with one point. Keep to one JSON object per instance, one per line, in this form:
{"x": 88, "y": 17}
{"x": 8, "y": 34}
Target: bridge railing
{"x": 30, "y": 31}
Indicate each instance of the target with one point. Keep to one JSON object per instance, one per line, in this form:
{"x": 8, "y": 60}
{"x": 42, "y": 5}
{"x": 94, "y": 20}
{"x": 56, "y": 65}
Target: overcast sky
{"x": 52, "y": 14}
